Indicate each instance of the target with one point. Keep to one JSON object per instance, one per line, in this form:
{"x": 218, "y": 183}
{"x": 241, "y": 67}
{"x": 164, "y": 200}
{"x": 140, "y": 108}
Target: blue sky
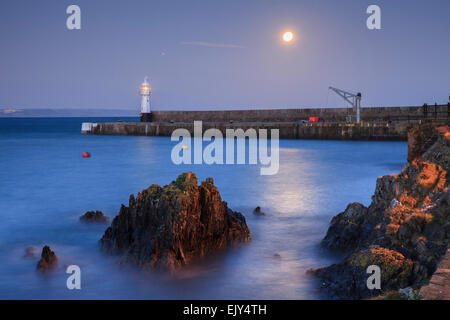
{"x": 217, "y": 54}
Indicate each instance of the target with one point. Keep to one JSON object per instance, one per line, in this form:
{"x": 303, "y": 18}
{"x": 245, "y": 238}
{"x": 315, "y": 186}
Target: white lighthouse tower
{"x": 145, "y": 92}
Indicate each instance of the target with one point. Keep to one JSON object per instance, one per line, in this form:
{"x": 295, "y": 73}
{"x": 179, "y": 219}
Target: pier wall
{"x": 385, "y": 123}
{"x": 331, "y": 131}
{"x": 372, "y": 114}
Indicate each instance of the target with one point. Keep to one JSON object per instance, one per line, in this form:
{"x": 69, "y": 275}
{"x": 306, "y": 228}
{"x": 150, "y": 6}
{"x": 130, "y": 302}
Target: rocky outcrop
{"x": 346, "y": 228}
{"x": 405, "y": 230}
{"x": 257, "y": 211}
{"x": 94, "y": 216}
{"x": 171, "y": 226}
{"x": 48, "y": 261}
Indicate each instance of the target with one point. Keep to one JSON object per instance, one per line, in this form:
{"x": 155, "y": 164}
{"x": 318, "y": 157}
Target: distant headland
{"x": 12, "y": 112}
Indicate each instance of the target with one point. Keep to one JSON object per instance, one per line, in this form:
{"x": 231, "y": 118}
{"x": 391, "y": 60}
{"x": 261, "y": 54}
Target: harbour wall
{"x": 371, "y": 114}
{"x": 377, "y": 123}
{"x": 293, "y": 130}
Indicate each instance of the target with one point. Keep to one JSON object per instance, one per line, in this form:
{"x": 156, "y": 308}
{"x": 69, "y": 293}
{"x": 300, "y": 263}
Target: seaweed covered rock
{"x": 48, "y": 261}
{"x": 352, "y": 273}
{"x": 409, "y": 215}
{"x": 168, "y": 227}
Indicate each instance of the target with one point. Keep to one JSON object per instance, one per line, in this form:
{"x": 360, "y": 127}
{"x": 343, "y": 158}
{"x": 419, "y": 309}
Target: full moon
{"x": 288, "y": 36}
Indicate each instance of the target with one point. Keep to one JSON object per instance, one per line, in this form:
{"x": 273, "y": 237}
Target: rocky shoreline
{"x": 405, "y": 230}
{"x": 168, "y": 227}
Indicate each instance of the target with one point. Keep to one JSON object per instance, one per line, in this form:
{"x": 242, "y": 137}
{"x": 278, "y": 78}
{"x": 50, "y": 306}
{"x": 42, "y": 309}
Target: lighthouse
{"x": 145, "y": 92}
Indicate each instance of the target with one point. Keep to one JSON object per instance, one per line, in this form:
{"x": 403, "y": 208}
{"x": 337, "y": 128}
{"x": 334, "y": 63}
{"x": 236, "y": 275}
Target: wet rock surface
{"x": 167, "y": 227}
{"x": 405, "y": 230}
{"x": 48, "y": 261}
{"x": 94, "y": 216}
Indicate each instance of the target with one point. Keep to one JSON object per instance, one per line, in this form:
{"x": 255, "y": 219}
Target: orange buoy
{"x": 86, "y": 155}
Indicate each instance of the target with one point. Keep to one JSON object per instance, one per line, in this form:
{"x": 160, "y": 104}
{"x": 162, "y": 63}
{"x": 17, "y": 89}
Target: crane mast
{"x": 353, "y": 99}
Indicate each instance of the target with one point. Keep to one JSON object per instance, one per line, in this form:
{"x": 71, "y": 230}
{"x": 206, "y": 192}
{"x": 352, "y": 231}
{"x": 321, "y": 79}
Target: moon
{"x": 288, "y": 36}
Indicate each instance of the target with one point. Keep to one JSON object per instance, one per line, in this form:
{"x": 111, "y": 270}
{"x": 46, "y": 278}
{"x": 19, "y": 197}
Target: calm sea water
{"x": 45, "y": 185}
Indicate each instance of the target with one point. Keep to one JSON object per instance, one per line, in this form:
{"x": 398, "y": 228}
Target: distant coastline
{"x": 57, "y": 113}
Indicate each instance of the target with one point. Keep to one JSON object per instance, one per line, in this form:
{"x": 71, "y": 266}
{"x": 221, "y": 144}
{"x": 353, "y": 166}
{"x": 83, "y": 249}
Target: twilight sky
{"x": 215, "y": 54}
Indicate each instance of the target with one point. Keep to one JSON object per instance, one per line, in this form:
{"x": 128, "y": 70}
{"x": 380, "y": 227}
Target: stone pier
{"x": 326, "y": 131}
{"x": 439, "y": 286}
{"x": 378, "y": 123}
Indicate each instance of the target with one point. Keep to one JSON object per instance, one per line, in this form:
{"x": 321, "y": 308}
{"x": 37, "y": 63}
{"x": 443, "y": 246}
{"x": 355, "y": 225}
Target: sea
{"x": 46, "y": 185}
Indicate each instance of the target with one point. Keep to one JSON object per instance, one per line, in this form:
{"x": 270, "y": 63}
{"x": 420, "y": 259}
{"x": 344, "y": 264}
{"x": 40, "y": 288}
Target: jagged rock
{"x": 409, "y": 214}
{"x": 168, "y": 227}
{"x": 94, "y": 216}
{"x": 48, "y": 261}
{"x": 346, "y": 228}
{"x": 258, "y": 212}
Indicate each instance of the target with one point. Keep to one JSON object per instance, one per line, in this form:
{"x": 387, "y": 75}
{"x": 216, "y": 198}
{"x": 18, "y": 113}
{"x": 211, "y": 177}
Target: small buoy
{"x": 86, "y": 155}
{"x": 185, "y": 147}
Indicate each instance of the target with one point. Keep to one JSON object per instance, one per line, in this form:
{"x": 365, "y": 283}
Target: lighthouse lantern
{"x": 145, "y": 92}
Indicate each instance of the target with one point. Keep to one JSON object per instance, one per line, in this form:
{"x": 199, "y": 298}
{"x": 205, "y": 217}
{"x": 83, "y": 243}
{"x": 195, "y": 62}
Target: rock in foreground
{"x": 168, "y": 227}
{"x": 48, "y": 261}
{"x": 348, "y": 279}
{"x": 94, "y": 216}
{"x": 405, "y": 230}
